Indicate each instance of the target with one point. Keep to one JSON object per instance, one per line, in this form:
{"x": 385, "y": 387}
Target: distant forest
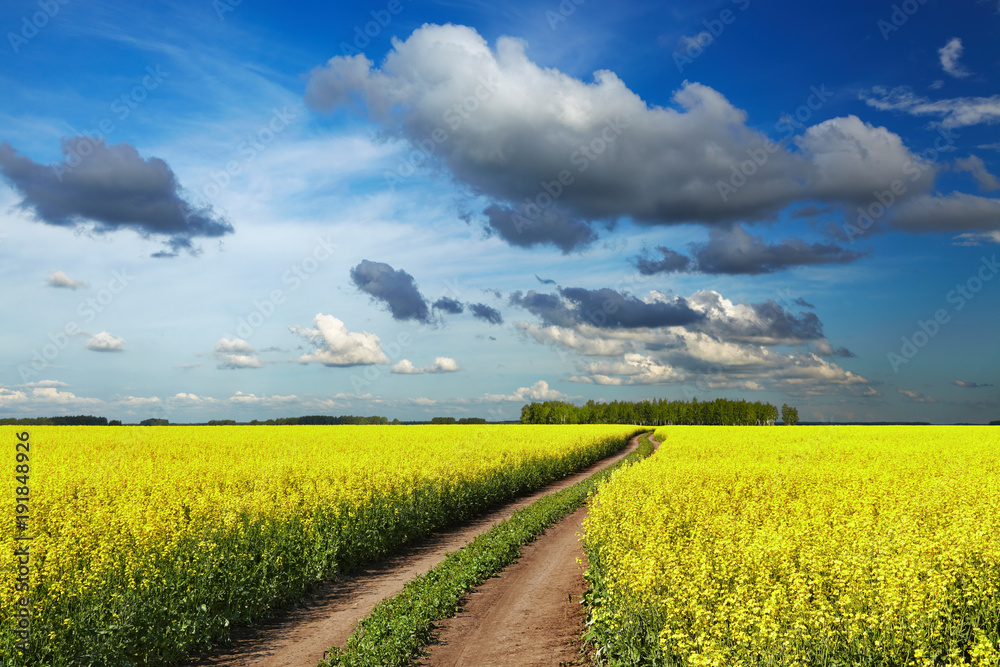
{"x": 663, "y": 412}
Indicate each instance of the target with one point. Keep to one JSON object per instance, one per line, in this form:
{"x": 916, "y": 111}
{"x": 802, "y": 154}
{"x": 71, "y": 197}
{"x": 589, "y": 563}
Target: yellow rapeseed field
{"x": 807, "y": 545}
{"x": 148, "y": 542}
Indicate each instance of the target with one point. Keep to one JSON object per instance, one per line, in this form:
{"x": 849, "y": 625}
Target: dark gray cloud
{"x": 395, "y": 288}
{"x": 112, "y": 188}
{"x": 551, "y": 226}
{"x": 544, "y": 281}
{"x": 483, "y": 312}
{"x": 783, "y": 325}
{"x": 448, "y": 305}
{"x": 668, "y": 262}
{"x": 604, "y": 308}
{"x": 531, "y": 137}
{"x": 802, "y": 302}
{"x": 734, "y": 251}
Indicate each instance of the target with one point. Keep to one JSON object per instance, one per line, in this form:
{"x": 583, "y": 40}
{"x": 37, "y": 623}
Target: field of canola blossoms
{"x": 803, "y": 546}
{"x": 148, "y": 542}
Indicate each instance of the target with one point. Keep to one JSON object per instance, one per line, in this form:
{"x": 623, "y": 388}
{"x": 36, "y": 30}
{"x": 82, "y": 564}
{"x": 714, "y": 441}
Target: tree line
{"x": 662, "y": 412}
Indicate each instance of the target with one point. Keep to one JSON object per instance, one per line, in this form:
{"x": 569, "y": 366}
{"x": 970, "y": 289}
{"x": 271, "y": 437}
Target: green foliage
{"x": 662, "y": 412}
{"x": 789, "y": 415}
{"x": 398, "y": 628}
{"x": 79, "y": 420}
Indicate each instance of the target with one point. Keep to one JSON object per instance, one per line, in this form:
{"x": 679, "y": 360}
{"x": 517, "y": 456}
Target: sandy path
{"x": 530, "y": 615}
{"x": 298, "y": 637}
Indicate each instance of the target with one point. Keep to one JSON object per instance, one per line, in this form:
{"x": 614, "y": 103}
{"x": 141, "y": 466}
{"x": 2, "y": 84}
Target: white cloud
{"x": 60, "y": 279}
{"x": 9, "y": 396}
{"x": 334, "y": 345}
{"x": 236, "y": 353}
{"x": 440, "y": 365}
{"x": 950, "y": 53}
{"x": 954, "y": 113}
{"x": 46, "y": 383}
{"x": 424, "y": 402}
{"x": 974, "y": 239}
{"x": 252, "y": 399}
{"x": 51, "y": 395}
{"x": 105, "y": 342}
{"x": 406, "y": 367}
{"x": 540, "y": 391}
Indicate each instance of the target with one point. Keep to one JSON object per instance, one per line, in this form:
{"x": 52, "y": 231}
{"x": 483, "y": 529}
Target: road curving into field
{"x": 529, "y": 615}
{"x": 298, "y": 637}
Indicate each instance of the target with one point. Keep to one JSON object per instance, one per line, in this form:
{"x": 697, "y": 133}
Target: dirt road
{"x": 530, "y": 615}
{"x": 298, "y": 637}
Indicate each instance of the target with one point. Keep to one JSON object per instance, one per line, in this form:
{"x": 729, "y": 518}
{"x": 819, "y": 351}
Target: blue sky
{"x": 246, "y": 210}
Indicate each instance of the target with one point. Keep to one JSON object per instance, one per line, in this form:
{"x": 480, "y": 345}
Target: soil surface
{"x": 298, "y": 637}
{"x": 530, "y": 615}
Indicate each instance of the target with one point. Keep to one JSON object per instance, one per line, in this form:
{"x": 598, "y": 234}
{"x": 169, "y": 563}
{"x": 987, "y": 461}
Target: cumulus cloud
{"x": 9, "y": 397}
{"x": 953, "y": 113}
{"x": 440, "y": 365}
{"x": 485, "y": 313}
{"x": 728, "y": 346}
{"x": 236, "y": 353}
{"x": 540, "y": 391}
{"x": 334, "y": 345}
{"x": 110, "y": 188}
{"x": 60, "y": 279}
{"x": 105, "y": 342}
{"x": 975, "y": 166}
{"x": 395, "y": 288}
{"x": 734, "y": 251}
{"x": 448, "y": 305}
{"x": 950, "y": 53}
{"x": 556, "y": 154}
{"x": 52, "y": 396}
{"x": 916, "y": 396}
